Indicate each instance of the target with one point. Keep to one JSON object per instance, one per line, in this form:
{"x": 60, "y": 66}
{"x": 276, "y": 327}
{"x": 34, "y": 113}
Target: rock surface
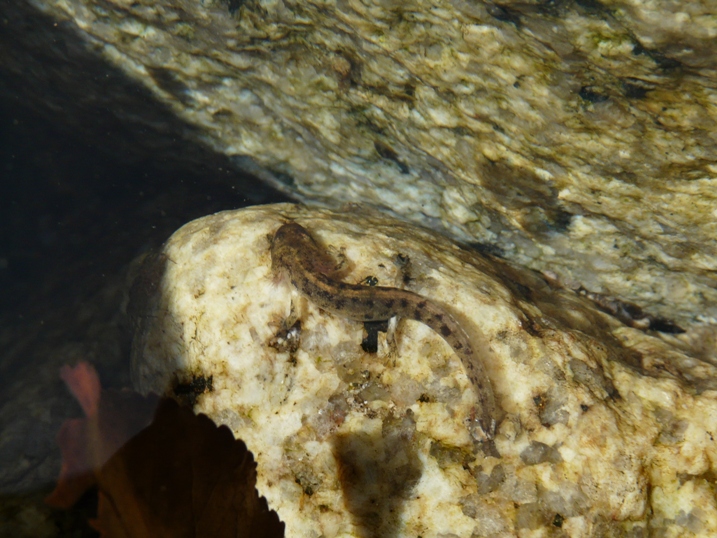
{"x": 605, "y": 430}
{"x": 576, "y": 137}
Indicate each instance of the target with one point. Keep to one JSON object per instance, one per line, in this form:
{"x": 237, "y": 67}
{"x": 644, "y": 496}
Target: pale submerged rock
{"x": 604, "y": 429}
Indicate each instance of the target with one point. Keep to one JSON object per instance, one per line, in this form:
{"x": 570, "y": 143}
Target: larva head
{"x": 293, "y": 247}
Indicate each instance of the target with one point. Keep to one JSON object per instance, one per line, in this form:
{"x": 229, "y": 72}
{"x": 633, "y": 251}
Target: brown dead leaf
{"x": 181, "y": 476}
{"x": 112, "y": 417}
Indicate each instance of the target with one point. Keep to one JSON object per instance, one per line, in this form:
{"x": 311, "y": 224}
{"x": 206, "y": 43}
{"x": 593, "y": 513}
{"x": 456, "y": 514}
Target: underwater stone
{"x": 571, "y": 137}
{"x": 350, "y": 443}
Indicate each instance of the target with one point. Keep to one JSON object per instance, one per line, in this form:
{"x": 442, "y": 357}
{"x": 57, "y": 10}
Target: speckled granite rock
{"x": 606, "y": 430}
{"x": 575, "y": 137}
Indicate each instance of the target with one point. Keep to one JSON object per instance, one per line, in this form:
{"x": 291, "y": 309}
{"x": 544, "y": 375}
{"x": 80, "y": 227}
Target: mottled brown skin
{"x": 293, "y": 250}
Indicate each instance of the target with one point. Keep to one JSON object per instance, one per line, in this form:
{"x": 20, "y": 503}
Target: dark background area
{"x": 80, "y": 203}
{"x": 72, "y": 211}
